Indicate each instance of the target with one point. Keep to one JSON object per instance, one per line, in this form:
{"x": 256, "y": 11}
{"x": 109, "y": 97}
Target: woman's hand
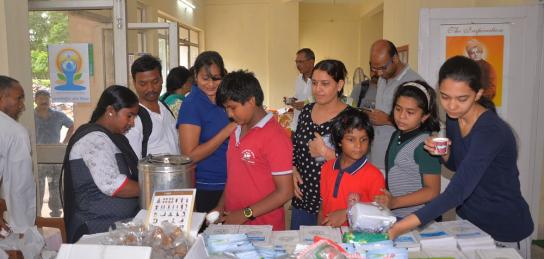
{"x": 430, "y": 147}
{"x": 393, "y": 233}
{"x": 385, "y": 200}
{"x": 230, "y": 128}
{"x": 335, "y": 218}
{"x": 317, "y": 146}
{"x": 297, "y": 179}
{"x": 403, "y": 226}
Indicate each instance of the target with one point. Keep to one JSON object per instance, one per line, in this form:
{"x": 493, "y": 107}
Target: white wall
{"x": 332, "y": 31}
{"x": 260, "y": 36}
{"x": 401, "y": 18}
{"x": 371, "y": 30}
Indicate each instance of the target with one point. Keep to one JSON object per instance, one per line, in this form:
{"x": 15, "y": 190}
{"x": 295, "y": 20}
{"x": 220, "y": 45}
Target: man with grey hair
{"x": 303, "y": 85}
{"x": 18, "y": 187}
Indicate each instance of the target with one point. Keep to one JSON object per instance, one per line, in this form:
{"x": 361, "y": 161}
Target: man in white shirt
{"x": 18, "y": 186}
{"x": 385, "y": 63}
{"x": 147, "y": 79}
{"x": 303, "y": 85}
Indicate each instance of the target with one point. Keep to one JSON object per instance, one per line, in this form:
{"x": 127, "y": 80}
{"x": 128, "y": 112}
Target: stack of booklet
{"x": 408, "y": 241}
{"x": 509, "y": 253}
{"x": 307, "y": 233}
{"x": 256, "y": 234}
{"x": 469, "y": 237}
{"x": 434, "y": 237}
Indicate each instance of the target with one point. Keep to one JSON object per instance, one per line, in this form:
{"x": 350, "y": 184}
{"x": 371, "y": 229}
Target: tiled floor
{"x": 537, "y": 252}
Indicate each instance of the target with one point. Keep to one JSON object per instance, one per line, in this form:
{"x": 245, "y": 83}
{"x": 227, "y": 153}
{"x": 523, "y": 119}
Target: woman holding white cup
{"x": 482, "y": 151}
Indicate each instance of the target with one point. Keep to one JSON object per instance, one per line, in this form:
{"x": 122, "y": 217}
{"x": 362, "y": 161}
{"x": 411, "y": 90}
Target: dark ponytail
{"x": 460, "y": 68}
{"x": 118, "y": 97}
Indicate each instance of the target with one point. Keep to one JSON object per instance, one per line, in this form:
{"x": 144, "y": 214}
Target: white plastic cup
{"x": 440, "y": 146}
{"x": 212, "y": 217}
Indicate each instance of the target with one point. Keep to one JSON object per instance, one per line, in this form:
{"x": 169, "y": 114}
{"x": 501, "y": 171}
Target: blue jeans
{"x": 301, "y": 217}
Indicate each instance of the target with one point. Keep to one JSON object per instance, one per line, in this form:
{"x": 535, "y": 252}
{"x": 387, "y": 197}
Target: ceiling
{"x": 332, "y": 1}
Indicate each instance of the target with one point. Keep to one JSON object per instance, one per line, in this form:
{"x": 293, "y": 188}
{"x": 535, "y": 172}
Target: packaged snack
{"x": 323, "y": 249}
{"x": 363, "y": 237}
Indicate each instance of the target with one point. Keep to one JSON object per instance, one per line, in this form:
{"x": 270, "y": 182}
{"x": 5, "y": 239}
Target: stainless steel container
{"x": 162, "y": 172}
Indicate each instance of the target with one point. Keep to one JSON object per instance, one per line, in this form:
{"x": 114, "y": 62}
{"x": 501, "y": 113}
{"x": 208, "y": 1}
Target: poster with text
{"x": 487, "y": 45}
{"x": 69, "y": 70}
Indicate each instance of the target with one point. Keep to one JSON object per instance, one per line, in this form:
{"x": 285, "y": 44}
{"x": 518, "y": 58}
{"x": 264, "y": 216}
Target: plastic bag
{"x": 323, "y": 249}
{"x": 370, "y": 217}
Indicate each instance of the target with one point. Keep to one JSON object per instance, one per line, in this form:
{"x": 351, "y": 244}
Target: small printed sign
{"x": 173, "y": 206}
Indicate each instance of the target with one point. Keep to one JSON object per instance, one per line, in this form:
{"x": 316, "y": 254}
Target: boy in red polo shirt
{"x": 259, "y": 157}
{"x": 351, "y": 172}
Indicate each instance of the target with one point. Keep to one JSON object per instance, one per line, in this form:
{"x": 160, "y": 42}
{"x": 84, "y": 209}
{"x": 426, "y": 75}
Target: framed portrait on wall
{"x": 403, "y": 53}
{"x": 486, "y": 44}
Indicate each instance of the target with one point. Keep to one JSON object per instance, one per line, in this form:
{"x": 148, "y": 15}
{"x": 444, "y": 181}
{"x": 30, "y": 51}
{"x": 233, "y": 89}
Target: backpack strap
{"x": 167, "y": 107}
{"x": 147, "y": 125}
{"x": 364, "y": 88}
{"x": 147, "y": 128}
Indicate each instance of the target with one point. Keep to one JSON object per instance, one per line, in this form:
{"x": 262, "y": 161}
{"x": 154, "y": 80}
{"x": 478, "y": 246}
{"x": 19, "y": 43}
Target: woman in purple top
{"x": 485, "y": 189}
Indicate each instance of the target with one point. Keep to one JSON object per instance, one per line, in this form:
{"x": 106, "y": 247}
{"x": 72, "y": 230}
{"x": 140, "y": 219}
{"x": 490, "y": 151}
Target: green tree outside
{"x": 45, "y": 28}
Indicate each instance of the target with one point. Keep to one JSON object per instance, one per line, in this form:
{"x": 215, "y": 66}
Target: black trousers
{"x": 206, "y": 200}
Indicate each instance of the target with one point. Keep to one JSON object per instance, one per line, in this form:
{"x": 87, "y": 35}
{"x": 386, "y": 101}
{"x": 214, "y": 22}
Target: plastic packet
{"x": 363, "y": 237}
{"x": 323, "y": 249}
{"x": 370, "y": 217}
{"x": 228, "y": 244}
{"x": 166, "y": 240}
{"x": 390, "y": 253}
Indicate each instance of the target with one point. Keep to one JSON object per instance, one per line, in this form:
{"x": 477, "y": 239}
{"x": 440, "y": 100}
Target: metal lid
{"x": 163, "y": 159}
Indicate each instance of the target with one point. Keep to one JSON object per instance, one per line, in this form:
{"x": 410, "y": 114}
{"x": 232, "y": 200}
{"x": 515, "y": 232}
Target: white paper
{"x": 286, "y": 237}
{"x": 257, "y": 234}
{"x": 502, "y": 253}
{"x": 309, "y": 232}
{"x": 215, "y": 229}
{"x": 77, "y": 251}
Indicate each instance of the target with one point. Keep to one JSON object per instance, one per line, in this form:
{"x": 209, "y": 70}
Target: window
{"x": 188, "y": 46}
{"x": 140, "y": 17}
{"x": 163, "y": 48}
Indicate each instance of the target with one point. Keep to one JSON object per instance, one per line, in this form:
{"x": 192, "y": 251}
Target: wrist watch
{"x": 248, "y": 213}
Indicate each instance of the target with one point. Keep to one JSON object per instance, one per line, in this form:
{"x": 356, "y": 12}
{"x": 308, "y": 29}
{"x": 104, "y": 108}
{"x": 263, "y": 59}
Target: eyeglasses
{"x": 300, "y": 61}
{"x": 382, "y": 68}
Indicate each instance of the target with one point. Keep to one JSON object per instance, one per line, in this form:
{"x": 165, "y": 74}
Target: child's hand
{"x": 385, "y": 199}
{"x": 233, "y": 218}
{"x": 221, "y": 211}
{"x": 297, "y": 179}
{"x": 4, "y": 228}
{"x": 317, "y": 146}
{"x": 335, "y": 218}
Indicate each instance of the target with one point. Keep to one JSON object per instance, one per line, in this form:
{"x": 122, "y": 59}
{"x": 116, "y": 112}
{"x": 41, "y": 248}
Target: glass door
{"x": 164, "y": 44}
{"x": 57, "y": 25}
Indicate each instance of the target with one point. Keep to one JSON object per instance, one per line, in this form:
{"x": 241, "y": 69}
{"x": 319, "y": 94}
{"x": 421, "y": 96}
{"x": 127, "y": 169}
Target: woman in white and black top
{"x": 313, "y": 130}
{"x": 100, "y": 167}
